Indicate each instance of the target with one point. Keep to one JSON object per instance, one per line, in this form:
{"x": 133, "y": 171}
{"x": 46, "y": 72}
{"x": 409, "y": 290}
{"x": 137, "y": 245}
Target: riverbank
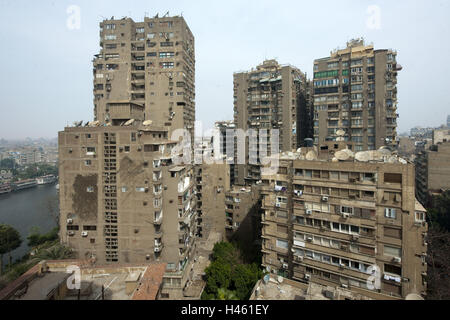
{"x": 27, "y": 209}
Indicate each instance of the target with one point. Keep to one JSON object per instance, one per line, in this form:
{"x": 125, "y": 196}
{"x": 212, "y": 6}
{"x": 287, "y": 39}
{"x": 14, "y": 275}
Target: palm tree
{"x": 55, "y": 252}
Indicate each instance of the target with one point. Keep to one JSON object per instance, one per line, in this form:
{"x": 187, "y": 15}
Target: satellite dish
{"x": 266, "y": 278}
{"x": 129, "y": 122}
{"x": 334, "y": 160}
{"x": 311, "y": 155}
{"x": 392, "y": 159}
{"x": 340, "y": 132}
{"x": 362, "y": 156}
{"x": 341, "y": 155}
{"x": 280, "y": 279}
{"x": 385, "y": 151}
{"x": 147, "y": 122}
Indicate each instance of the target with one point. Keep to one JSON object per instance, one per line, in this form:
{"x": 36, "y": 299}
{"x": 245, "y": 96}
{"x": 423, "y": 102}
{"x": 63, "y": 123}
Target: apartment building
{"x": 272, "y": 96}
{"x": 124, "y": 197}
{"x": 355, "y": 90}
{"x": 441, "y": 135}
{"x": 124, "y": 200}
{"x": 150, "y": 63}
{"x": 211, "y": 181}
{"x": 340, "y": 223}
{"x": 225, "y": 135}
{"x": 432, "y": 171}
{"x": 243, "y": 215}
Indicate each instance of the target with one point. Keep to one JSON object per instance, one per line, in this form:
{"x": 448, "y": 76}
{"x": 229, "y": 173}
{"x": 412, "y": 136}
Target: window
{"x": 90, "y": 189}
{"x": 166, "y": 65}
{"x": 110, "y": 37}
{"x": 392, "y": 178}
{"x": 348, "y": 210}
{"x": 87, "y": 162}
{"x": 124, "y": 189}
{"x": 420, "y": 216}
{"x": 390, "y": 213}
{"x": 282, "y": 244}
{"x": 392, "y": 251}
{"x": 392, "y": 269}
{"x": 166, "y": 54}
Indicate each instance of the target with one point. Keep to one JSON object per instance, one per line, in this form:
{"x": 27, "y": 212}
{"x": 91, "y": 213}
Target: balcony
{"x": 158, "y": 247}
{"x": 158, "y": 220}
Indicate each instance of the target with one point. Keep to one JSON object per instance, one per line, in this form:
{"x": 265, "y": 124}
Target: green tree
{"x": 227, "y": 277}
{"x": 35, "y": 238}
{"x": 225, "y": 294}
{"x": 218, "y": 275}
{"x": 439, "y": 213}
{"x": 9, "y": 241}
{"x": 7, "y": 163}
{"x": 244, "y": 278}
{"x": 54, "y": 252}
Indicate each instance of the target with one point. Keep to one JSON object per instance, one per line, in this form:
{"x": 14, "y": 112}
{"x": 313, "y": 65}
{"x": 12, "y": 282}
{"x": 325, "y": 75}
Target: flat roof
{"x": 176, "y": 169}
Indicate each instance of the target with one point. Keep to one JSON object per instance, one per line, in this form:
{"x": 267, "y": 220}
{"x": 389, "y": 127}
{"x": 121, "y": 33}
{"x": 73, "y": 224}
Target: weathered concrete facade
{"x": 334, "y": 222}
{"x": 123, "y": 200}
{"x": 152, "y": 64}
{"x": 270, "y": 97}
{"x": 355, "y": 90}
{"x": 432, "y": 171}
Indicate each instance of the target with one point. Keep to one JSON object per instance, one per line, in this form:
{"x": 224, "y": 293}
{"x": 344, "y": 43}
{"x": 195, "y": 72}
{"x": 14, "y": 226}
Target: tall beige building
{"x": 272, "y": 96}
{"x": 432, "y": 171}
{"x": 342, "y": 223}
{"x": 150, "y": 63}
{"x": 124, "y": 197}
{"x": 355, "y": 89}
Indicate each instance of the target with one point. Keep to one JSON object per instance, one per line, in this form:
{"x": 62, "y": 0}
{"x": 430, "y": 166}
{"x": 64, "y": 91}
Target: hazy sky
{"x": 46, "y": 70}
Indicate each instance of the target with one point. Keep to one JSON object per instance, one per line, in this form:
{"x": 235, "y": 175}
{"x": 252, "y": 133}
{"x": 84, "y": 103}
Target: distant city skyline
{"x": 46, "y": 78}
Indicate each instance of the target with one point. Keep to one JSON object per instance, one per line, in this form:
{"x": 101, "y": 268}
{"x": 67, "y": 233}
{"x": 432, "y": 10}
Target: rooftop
{"x": 279, "y": 288}
{"x": 48, "y": 280}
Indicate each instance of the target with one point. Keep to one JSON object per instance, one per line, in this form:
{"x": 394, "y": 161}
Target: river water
{"x": 26, "y": 209}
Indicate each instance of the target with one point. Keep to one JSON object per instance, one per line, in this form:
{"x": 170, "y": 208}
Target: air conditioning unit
{"x": 309, "y": 239}
{"x": 71, "y": 233}
{"x": 325, "y": 199}
{"x": 342, "y": 265}
{"x": 397, "y": 260}
{"x": 285, "y": 266}
{"x": 307, "y": 276}
{"x": 69, "y": 221}
{"x": 84, "y": 234}
{"x": 343, "y": 285}
{"x": 355, "y": 237}
{"x": 278, "y": 205}
{"x": 308, "y": 211}
{"x": 345, "y": 215}
{"x": 298, "y": 258}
